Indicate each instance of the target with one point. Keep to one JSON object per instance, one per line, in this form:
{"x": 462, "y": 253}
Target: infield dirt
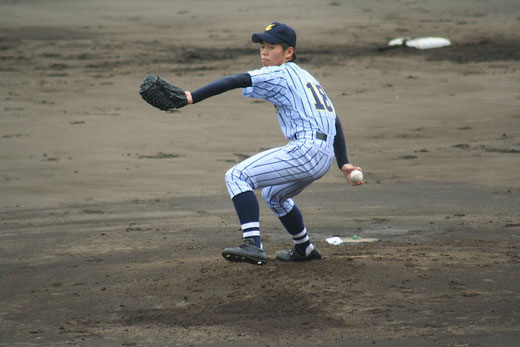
{"x": 113, "y": 214}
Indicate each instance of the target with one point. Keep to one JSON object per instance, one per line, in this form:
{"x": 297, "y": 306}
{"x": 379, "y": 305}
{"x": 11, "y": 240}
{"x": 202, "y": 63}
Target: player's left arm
{"x": 340, "y": 152}
{"x": 219, "y": 86}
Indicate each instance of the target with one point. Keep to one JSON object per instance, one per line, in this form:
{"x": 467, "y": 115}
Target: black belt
{"x": 321, "y": 136}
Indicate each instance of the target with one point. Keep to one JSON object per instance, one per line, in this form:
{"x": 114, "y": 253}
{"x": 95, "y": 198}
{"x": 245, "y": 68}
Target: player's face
{"x": 273, "y": 54}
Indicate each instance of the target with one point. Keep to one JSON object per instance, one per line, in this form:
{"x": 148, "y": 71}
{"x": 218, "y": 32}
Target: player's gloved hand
{"x": 347, "y": 170}
{"x": 161, "y": 94}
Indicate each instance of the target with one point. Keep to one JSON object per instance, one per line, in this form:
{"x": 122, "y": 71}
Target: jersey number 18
{"x": 320, "y": 103}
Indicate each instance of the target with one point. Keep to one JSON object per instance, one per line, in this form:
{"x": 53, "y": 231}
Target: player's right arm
{"x": 340, "y": 146}
{"x": 219, "y": 86}
{"x": 340, "y": 152}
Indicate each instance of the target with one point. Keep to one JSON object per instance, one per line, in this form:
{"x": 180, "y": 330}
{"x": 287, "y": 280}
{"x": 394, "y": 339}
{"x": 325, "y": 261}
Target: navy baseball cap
{"x": 277, "y": 33}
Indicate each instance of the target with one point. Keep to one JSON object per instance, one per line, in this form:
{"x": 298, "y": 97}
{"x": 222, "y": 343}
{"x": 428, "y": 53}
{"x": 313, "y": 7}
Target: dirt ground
{"x": 113, "y": 214}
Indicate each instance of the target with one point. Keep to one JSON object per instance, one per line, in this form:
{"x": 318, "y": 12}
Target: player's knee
{"x": 233, "y": 175}
{"x": 270, "y": 199}
{"x": 238, "y": 179}
{"x": 229, "y": 175}
{"x": 266, "y": 195}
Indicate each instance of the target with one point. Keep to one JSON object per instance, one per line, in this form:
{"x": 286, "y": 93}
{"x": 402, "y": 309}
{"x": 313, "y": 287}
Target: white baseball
{"x": 356, "y": 176}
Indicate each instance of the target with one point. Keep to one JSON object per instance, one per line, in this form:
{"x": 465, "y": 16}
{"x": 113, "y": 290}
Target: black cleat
{"x": 292, "y": 255}
{"x": 246, "y": 253}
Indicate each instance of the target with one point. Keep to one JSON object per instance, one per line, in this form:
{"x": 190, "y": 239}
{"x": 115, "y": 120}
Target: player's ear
{"x": 289, "y": 53}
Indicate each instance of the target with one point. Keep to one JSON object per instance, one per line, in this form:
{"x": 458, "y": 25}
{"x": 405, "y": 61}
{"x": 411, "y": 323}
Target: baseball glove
{"x": 161, "y": 94}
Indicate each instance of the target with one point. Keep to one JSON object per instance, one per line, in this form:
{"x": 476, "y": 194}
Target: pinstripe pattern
{"x": 285, "y": 171}
{"x": 286, "y": 87}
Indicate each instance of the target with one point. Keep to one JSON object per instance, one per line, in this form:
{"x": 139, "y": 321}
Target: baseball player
{"x": 308, "y": 120}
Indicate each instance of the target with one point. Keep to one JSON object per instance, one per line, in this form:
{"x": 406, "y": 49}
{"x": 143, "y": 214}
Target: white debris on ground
{"x": 420, "y": 42}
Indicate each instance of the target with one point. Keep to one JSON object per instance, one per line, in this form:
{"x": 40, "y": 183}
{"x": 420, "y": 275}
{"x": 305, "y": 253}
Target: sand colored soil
{"x": 113, "y": 214}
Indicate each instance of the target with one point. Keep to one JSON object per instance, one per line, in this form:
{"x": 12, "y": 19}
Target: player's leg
{"x": 240, "y": 187}
{"x": 292, "y": 164}
{"x": 248, "y": 212}
{"x": 297, "y": 163}
{"x": 246, "y": 206}
{"x": 278, "y": 198}
{"x": 290, "y": 169}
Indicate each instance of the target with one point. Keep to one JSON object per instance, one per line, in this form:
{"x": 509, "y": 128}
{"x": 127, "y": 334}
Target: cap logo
{"x": 269, "y": 27}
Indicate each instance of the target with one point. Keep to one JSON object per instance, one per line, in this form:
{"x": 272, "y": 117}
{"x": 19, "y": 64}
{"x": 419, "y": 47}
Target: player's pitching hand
{"x": 347, "y": 170}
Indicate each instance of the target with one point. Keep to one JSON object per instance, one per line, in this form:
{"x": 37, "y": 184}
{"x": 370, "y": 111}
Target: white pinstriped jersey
{"x": 302, "y": 104}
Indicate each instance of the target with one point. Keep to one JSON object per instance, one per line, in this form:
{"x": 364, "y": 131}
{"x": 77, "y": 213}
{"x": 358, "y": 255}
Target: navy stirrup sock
{"x": 248, "y": 213}
{"x": 293, "y": 222}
